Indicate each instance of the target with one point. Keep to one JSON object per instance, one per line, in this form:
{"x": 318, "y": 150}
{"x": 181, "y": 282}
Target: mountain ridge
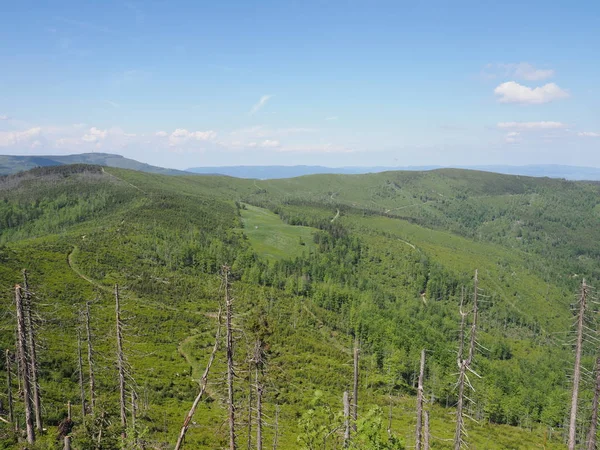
{"x": 17, "y": 163}
{"x": 575, "y": 173}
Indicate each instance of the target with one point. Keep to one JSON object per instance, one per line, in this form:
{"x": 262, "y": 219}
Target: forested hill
{"x": 10, "y": 164}
{"x": 317, "y": 265}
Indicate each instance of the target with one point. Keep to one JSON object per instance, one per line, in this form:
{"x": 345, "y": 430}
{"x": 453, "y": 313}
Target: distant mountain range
{"x": 272, "y": 172}
{"x": 11, "y": 164}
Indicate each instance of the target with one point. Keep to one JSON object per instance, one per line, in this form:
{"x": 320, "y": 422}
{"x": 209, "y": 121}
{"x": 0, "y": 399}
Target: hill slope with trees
{"x": 317, "y": 267}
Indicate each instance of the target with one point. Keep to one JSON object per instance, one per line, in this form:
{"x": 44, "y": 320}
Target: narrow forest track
{"x": 337, "y": 214}
{"x": 124, "y": 181}
{"x": 197, "y": 369}
{"x": 74, "y": 268}
{"x": 326, "y": 332}
{"x": 181, "y": 347}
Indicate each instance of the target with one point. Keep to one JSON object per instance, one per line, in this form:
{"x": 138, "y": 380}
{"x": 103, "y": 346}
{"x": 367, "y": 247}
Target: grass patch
{"x": 272, "y": 238}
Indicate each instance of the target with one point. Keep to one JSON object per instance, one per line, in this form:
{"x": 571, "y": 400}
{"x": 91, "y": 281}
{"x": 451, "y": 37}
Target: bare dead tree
{"x": 591, "y": 440}
{"x": 90, "y": 355}
{"x": 259, "y": 425}
{"x": 389, "y": 427}
{"x": 577, "y": 371}
{"x": 120, "y": 360}
{"x": 25, "y": 365}
{"x": 80, "y": 368}
{"x": 67, "y": 443}
{"x": 276, "y": 435}
{"x": 346, "y": 401}
{"x": 419, "y": 432}
{"x": 18, "y": 361}
{"x": 230, "y": 368}
{"x": 102, "y": 424}
{"x": 11, "y": 413}
{"x": 133, "y": 416}
{"x": 355, "y": 386}
{"x": 464, "y": 364}
{"x": 250, "y": 392}
{"x": 258, "y": 371}
{"x": 31, "y": 348}
{"x": 426, "y": 430}
{"x": 203, "y": 383}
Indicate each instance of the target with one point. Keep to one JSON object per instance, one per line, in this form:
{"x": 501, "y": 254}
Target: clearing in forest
{"x": 272, "y": 238}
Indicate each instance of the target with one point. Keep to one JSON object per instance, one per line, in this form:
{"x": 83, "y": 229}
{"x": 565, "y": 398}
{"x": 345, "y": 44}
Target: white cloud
{"x": 4, "y": 117}
{"x": 527, "y": 72}
{"x": 513, "y": 92}
{"x": 268, "y": 143}
{"x": 320, "y": 148}
{"x": 259, "y": 105}
{"x": 588, "y": 134}
{"x": 94, "y": 135}
{"x": 10, "y": 138}
{"x": 113, "y": 104}
{"x": 512, "y": 137}
{"x": 181, "y": 136}
{"x": 331, "y": 118}
{"x": 521, "y": 71}
{"x": 531, "y": 125}
{"x": 161, "y": 134}
{"x": 66, "y": 142}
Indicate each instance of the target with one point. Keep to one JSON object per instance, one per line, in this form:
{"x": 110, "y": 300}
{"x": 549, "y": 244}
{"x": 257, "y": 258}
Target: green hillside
{"x": 316, "y": 262}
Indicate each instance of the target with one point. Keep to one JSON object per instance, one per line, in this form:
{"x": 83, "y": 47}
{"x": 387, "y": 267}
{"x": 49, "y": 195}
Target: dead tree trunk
{"x": 426, "y": 430}
{"x": 259, "y": 394}
{"x": 464, "y": 364}
{"x": 258, "y": 359}
{"x": 420, "y": 402}
{"x": 18, "y": 361}
{"x": 90, "y": 354}
{"x": 276, "y": 436}
{"x": 25, "y": 365}
{"x": 250, "y": 399}
{"x": 355, "y": 387}
{"x": 346, "y": 401}
{"x": 389, "y": 427}
{"x": 31, "y": 347}
{"x": 461, "y": 376}
{"x": 230, "y": 368}
{"x": 11, "y": 413}
{"x": 203, "y": 382}
{"x": 120, "y": 360}
{"x": 594, "y": 420}
{"x": 80, "y": 367}
{"x": 67, "y": 443}
{"x": 577, "y": 371}
{"x": 133, "y": 417}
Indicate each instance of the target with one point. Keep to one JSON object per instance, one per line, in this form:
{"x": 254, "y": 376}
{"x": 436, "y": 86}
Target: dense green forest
{"x": 317, "y": 265}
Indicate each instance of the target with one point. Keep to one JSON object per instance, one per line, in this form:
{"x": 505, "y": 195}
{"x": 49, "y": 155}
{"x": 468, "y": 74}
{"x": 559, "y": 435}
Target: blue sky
{"x": 336, "y": 83}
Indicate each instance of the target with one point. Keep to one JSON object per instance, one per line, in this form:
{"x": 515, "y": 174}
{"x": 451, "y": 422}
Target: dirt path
{"x": 123, "y": 181}
{"x": 74, "y": 268}
{"x": 180, "y": 347}
{"x": 337, "y": 214}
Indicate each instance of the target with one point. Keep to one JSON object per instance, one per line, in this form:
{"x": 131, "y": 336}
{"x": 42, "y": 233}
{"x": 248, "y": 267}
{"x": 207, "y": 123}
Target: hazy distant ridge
{"x": 13, "y": 163}
{"x": 272, "y": 172}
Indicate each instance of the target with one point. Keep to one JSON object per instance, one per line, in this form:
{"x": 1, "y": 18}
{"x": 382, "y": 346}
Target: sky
{"x": 331, "y": 82}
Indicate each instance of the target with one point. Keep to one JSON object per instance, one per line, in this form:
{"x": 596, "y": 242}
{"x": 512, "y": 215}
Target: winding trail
{"x": 181, "y": 347}
{"x": 337, "y": 214}
{"x": 74, "y": 268}
{"x": 123, "y": 181}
